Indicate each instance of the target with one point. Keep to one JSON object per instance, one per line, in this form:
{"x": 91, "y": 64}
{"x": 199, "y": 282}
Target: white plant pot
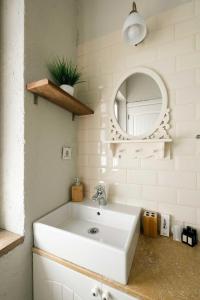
{"x": 67, "y": 88}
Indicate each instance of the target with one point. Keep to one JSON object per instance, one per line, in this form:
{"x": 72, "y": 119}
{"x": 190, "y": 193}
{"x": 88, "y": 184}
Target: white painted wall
{"x": 12, "y": 116}
{"x": 12, "y": 266}
{"x": 172, "y": 49}
{"x": 50, "y": 30}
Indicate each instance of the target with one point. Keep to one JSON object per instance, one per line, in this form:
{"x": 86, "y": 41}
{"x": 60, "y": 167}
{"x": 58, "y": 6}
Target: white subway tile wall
{"x": 197, "y": 7}
{"x": 187, "y": 28}
{"x": 172, "y": 48}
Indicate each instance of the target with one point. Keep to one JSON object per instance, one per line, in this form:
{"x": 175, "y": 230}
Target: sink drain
{"x": 93, "y": 230}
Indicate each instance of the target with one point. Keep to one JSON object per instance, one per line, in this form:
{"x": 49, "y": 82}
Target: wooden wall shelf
{"x": 48, "y": 90}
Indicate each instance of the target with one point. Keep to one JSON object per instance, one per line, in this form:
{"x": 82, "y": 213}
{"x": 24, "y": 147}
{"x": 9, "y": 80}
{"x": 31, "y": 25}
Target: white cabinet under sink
{"x": 114, "y": 294}
{"x": 53, "y": 281}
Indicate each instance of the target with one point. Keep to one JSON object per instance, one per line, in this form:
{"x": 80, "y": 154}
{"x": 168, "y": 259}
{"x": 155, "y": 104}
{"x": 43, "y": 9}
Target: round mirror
{"x": 140, "y": 103}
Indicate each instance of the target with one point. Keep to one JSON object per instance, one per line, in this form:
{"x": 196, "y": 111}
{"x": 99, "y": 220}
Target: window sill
{"x": 9, "y": 241}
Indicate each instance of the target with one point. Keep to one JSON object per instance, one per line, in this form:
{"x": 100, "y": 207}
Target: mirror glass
{"x": 138, "y": 104}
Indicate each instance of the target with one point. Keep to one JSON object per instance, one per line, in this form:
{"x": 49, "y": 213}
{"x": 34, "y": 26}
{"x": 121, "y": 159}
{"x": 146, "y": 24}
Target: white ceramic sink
{"x": 109, "y": 251}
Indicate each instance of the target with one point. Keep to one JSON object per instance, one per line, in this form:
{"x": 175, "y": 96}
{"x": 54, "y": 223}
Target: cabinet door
{"x": 53, "y": 281}
{"x": 109, "y": 293}
{"x": 53, "y": 290}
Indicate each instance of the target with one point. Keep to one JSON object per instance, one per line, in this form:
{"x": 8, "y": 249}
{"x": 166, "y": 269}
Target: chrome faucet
{"x": 100, "y": 195}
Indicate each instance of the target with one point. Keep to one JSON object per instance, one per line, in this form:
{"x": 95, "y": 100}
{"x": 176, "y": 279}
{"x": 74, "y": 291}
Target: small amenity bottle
{"x": 192, "y": 236}
{"x": 184, "y": 236}
{"x": 77, "y": 190}
{"x": 189, "y": 236}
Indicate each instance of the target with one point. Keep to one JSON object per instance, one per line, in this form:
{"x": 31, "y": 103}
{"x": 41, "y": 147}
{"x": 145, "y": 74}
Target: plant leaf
{"x": 63, "y": 71}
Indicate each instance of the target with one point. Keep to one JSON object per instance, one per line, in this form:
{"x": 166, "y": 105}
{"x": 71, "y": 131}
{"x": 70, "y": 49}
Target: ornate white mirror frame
{"x": 157, "y": 134}
{"x": 161, "y": 126}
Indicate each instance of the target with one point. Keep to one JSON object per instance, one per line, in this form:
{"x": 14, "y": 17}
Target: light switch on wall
{"x": 66, "y": 152}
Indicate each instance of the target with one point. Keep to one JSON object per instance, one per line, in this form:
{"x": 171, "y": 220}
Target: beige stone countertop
{"x": 162, "y": 270}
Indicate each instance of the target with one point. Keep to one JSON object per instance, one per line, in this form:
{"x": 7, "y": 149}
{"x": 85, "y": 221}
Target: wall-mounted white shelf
{"x": 147, "y": 148}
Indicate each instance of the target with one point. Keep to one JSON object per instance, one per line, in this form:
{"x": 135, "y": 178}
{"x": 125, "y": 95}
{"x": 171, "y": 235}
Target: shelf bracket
{"x": 35, "y": 99}
{"x": 73, "y": 116}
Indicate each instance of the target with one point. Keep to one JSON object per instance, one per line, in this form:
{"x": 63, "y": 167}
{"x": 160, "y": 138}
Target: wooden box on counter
{"x": 150, "y": 224}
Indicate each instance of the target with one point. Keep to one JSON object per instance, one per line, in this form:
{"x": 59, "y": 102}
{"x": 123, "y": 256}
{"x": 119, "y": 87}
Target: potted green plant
{"x": 65, "y": 73}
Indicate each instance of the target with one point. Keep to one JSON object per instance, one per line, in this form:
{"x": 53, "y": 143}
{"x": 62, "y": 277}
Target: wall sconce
{"x": 134, "y": 29}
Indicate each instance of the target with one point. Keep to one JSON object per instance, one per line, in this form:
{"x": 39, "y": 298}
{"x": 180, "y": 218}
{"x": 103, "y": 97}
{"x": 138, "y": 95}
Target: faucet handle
{"x": 100, "y": 194}
{"x": 100, "y": 188}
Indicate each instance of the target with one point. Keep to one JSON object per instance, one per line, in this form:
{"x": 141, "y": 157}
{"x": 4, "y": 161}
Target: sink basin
{"x": 102, "y": 240}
